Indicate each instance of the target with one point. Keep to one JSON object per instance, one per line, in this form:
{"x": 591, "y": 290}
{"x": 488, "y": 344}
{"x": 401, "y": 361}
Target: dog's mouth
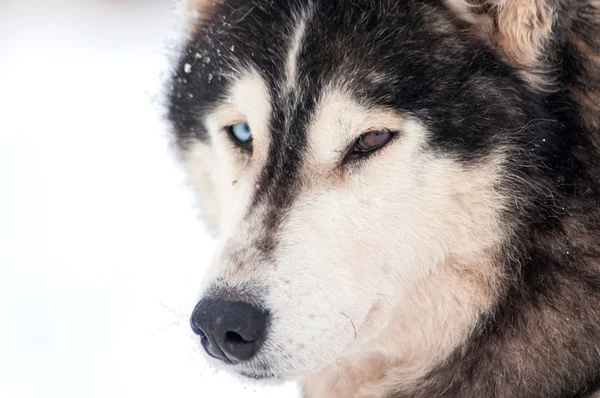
{"x": 258, "y": 375}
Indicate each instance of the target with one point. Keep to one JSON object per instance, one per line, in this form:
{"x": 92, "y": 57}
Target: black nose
{"x": 231, "y": 331}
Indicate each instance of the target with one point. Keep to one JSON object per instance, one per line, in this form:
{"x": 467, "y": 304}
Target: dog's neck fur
{"x": 454, "y": 297}
{"x": 503, "y": 351}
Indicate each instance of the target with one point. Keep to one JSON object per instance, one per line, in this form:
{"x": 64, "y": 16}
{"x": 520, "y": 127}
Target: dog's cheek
{"x": 330, "y": 275}
{"x": 202, "y": 170}
{"x": 222, "y": 184}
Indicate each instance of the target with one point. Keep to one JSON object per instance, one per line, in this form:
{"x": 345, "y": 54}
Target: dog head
{"x": 357, "y": 163}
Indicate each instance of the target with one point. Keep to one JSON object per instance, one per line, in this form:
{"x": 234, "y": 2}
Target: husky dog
{"x": 405, "y": 193}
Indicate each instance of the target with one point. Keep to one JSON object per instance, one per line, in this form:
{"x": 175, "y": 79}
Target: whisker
{"x": 169, "y": 325}
{"x": 353, "y": 327}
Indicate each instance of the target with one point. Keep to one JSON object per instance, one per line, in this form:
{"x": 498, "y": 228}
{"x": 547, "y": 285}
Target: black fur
{"x": 542, "y": 336}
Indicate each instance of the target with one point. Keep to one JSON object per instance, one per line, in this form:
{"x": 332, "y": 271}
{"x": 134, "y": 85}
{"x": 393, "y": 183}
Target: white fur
{"x": 291, "y": 69}
{"x": 222, "y": 176}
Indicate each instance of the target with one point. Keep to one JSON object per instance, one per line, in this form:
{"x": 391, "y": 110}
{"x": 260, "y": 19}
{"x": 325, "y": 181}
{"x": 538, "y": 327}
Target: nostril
{"x": 213, "y": 350}
{"x": 235, "y": 338}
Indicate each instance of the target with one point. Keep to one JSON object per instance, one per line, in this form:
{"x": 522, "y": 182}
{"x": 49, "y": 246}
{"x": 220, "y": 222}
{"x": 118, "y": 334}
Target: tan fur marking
{"x": 524, "y": 27}
{"x": 453, "y": 297}
{"x": 518, "y": 29}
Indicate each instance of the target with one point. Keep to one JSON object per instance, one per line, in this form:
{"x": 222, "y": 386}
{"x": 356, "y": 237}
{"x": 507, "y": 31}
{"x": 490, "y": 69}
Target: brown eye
{"x": 372, "y": 140}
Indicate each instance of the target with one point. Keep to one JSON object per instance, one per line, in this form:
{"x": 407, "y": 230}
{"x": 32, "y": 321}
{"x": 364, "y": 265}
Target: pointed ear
{"x": 520, "y": 30}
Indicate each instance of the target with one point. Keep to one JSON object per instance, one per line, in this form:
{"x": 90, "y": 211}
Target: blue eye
{"x": 241, "y": 133}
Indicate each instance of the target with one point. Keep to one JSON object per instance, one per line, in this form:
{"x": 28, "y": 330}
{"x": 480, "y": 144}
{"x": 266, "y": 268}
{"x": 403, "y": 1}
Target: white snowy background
{"x": 101, "y": 251}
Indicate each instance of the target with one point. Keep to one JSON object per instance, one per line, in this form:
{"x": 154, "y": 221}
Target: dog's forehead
{"x": 411, "y": 56}
{"x": 284, "y": 42}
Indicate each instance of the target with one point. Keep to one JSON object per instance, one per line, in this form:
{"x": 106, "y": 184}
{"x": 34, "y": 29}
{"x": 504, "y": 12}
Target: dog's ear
{"x": 200, "y": 8}
{"x": 199, "y": 5}
{"x": 520, "y": 30}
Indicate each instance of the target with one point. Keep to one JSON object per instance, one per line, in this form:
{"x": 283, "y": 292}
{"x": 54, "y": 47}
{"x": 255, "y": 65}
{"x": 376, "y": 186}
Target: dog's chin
{"x": 261, "y": 379}
{"x": 265, "y": 375}
{"x": 259, "y": 372}
{"x": 247, "y": 373}
{"x": 258, "y": 376}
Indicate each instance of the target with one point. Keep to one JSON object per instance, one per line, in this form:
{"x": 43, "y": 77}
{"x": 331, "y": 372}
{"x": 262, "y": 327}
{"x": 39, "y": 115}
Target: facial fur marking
{"x": 291, "y": 68}
{"x": 249, "y": 101}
